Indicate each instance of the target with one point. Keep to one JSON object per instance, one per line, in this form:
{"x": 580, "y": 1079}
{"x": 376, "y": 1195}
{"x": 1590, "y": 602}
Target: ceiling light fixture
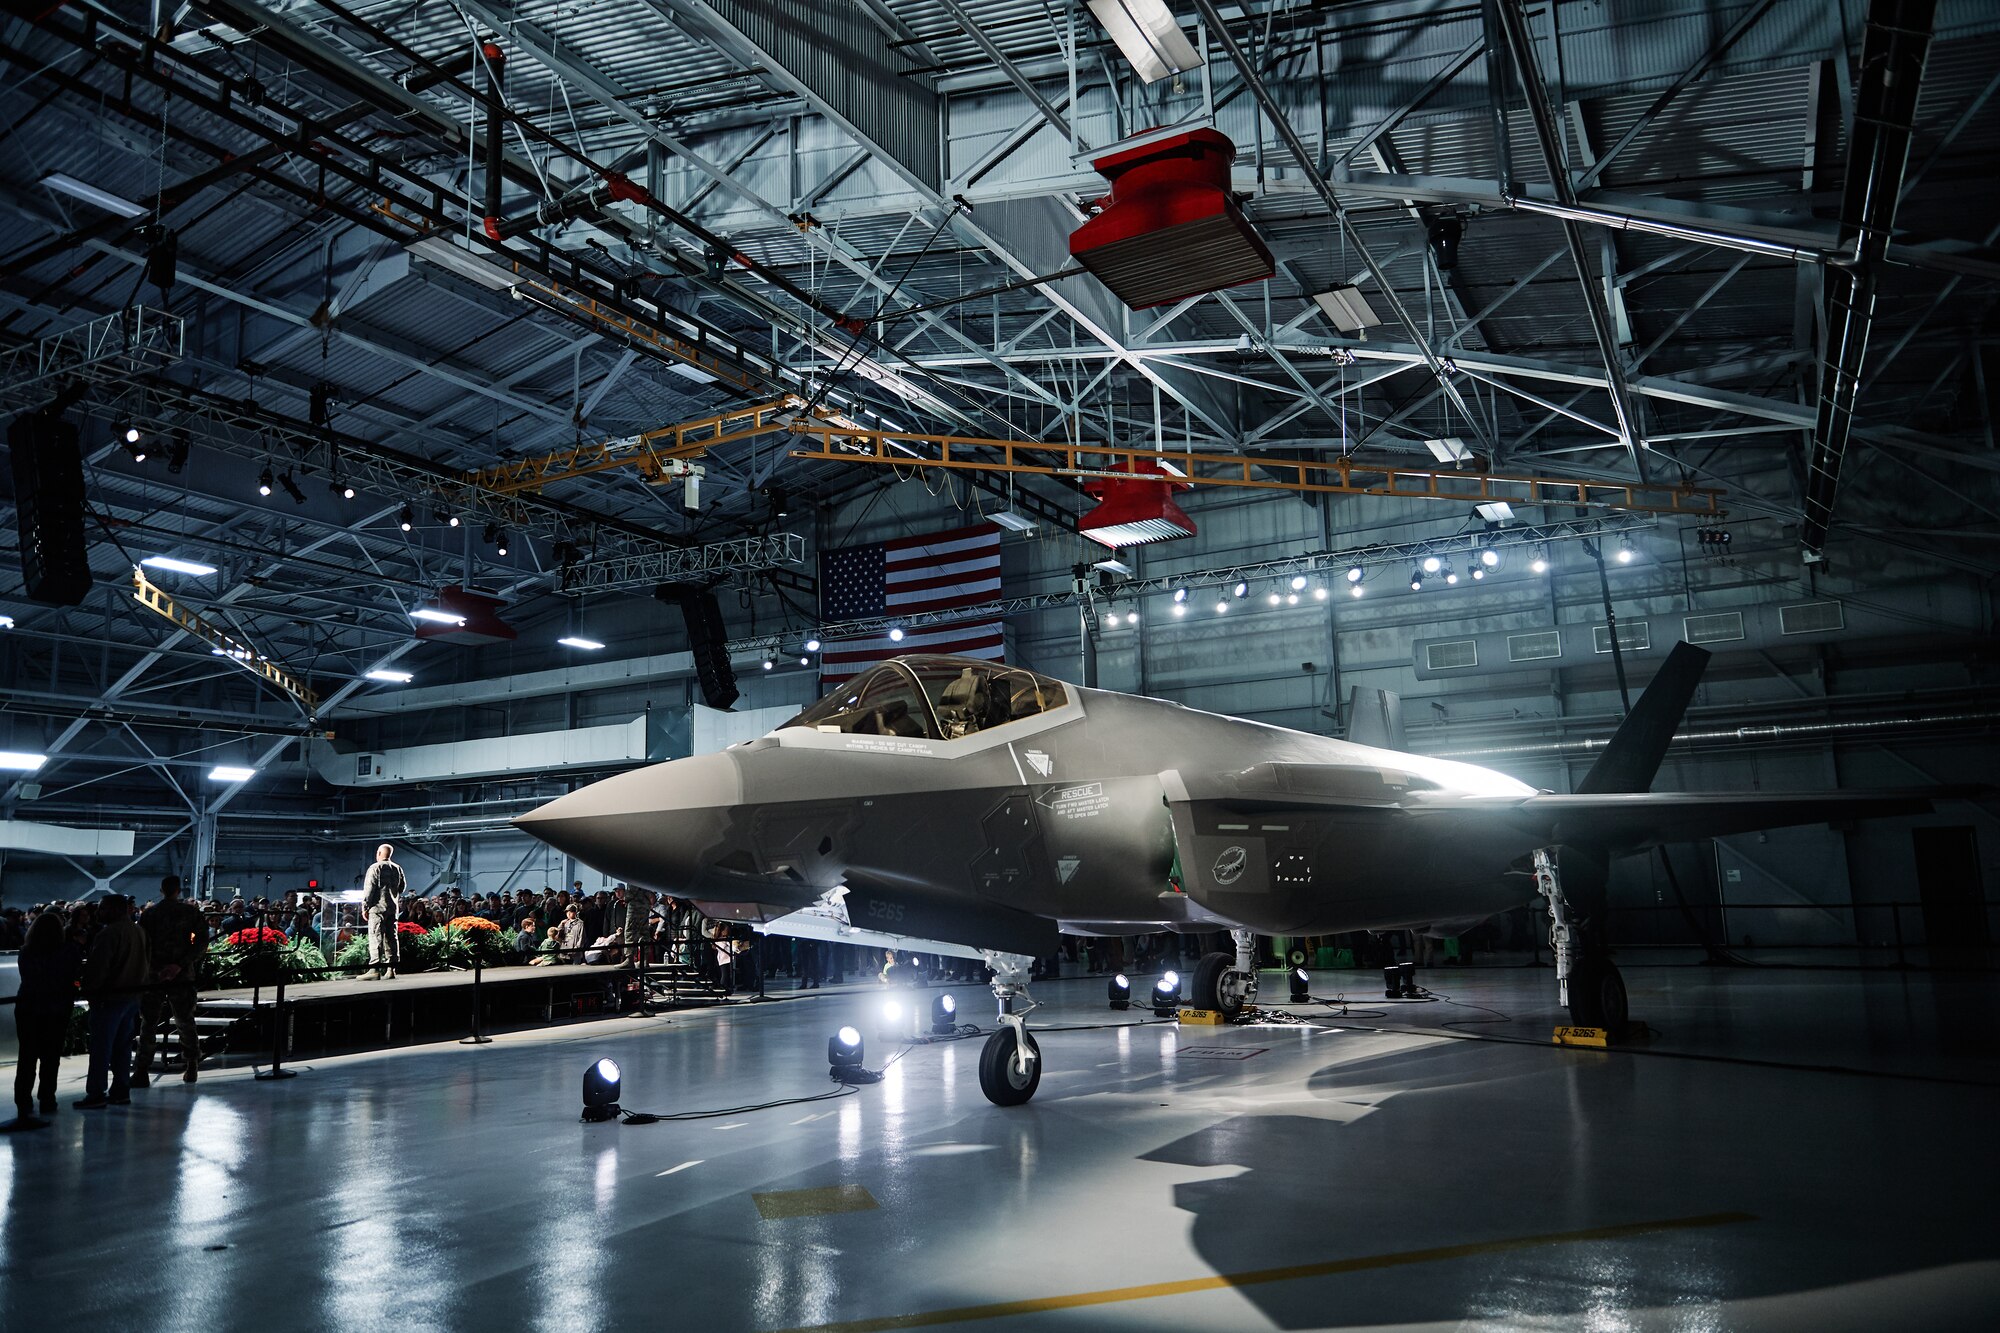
{"x": 407, "y": 519}
{"x": 437, "y": 615}
{"x": 391, "y": 675}
{"x": 575, "y": 641}
{"x": 291, "y": 488}
{"x": 17, "y": 761}
{"x": 264, "y": 482}
{"x": 90, "y": 194}
{"x": 231, "y": 773}
{"x": 1148, "y": 36}
{"x": 176, "y": 566}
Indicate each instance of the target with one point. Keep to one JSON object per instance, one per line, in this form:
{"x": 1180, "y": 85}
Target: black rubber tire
{"x": 998, "y": 1079}
{"x": 1597, "y": 995}
{"x": 1208, "y": 975}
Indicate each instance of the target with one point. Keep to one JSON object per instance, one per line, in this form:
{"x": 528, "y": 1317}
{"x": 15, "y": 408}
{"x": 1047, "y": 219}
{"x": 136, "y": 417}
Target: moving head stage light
{"x": 600, "y": 1090}
{"x": 1120, "y": 990}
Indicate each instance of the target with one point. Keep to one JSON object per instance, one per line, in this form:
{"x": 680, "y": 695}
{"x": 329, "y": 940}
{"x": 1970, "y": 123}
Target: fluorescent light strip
{"x": 437, "y": 616}
{"x": 392, "y": 676}
{"x": 571, "y": 641}
{"x": 177, "y": 566}
{"x": 230, "y": 773}
{"x": 90, "y": 194}
{"x": 20, "y": 762}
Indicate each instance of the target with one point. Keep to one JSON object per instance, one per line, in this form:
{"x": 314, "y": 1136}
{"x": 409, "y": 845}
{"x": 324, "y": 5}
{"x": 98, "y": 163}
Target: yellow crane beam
{"x": 1339, "y": 476}
{"x": 654, "y": 452}
{"x": 159, "y": 601}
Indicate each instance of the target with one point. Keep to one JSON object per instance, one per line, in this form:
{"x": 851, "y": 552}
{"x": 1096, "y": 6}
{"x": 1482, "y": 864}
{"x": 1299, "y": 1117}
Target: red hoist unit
{"x": 1135, "y": 510}
{"x": 1170, "y": 228}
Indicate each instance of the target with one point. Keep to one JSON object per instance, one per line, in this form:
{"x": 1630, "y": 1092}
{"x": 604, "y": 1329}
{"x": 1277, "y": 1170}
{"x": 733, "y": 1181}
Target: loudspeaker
{"x": 709, "y": 642}
{"x": 48, "y": 508}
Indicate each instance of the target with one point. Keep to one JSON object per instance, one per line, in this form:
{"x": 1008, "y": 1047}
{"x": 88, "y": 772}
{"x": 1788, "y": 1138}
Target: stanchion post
{"x": 477, "y": 1038}
{"x": 277, "y": 1069}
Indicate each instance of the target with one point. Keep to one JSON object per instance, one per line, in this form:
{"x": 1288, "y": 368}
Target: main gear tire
{"x": 999, "y": 1078}
{"x": 1597, "y": 996}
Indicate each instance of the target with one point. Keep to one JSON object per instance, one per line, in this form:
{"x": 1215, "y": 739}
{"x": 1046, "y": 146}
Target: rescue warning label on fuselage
{"x": 1078, "y": 802}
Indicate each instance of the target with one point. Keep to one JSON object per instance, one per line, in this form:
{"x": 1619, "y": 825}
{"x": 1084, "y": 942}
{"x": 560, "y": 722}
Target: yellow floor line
{"x": 1188, "y": 1286}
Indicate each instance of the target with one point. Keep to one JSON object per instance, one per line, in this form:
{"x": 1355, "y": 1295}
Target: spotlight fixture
{"x": 1355, "y": 590}
{"x": 805, "y": 661}
{"x": 1416, "y": 580}
{"x": 1625, "y": 551}
{"x": 896, "y": 634}
{"x": 1298, "y": 582}
{"x": 944, "y": 1015}
{"x": 264, "y": 482}
{"x": 500, "y": 544}
{"x": 770, "y": 662}
{"x": 1120, "y": 991}
{"x": 1540, "y": 564}
{"x": 1111, "y": 620}
{"x": 1319, "y": 594}
{"x": 1241, "y": 590}
{"x": 1354, "y": 573}
{"x": 1274, "y": 599}
{"x": 812, "y": 645}
{"x": 1713, "y": 541}
{"x": 1221, "y": 608}
{"x": 1490, "y": 558}
{"x": 1301, "y": 986}
{"x": 843, "y": 1053}
{"x": 136, "y": 450}
{"x": 1180, "y": 596}
{"x": 291, "y": 488}
{"x": 600, "y": 1090}
{"x": 407, "y": 519}
{"x": 1478, "y": 573}
{"x": 1291, "y": 599}
{"x": 451, "y": 521}
{"x": 1180, "y": 608}
{"x": 1167, "y": 995}
{"x": 1450, "y": 577}
{"x": 1432, "y": 564}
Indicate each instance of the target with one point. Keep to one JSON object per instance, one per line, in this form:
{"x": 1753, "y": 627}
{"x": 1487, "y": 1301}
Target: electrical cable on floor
{"x": 846, "y": 1089}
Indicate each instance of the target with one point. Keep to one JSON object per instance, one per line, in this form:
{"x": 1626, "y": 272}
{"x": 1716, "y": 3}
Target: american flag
{"x": 934, "y": 571}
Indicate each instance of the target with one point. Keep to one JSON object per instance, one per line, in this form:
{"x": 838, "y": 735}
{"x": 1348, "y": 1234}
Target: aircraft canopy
{"x": 934, "y": 697}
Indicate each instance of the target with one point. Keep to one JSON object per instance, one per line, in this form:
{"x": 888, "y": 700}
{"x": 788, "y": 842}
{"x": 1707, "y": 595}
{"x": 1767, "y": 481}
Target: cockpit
{"x": 934, "y": 698}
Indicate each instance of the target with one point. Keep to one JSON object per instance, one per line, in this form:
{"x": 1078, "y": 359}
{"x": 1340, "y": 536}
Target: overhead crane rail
{"x": 1336, "y": 476}
{"x": 159, "y": 601}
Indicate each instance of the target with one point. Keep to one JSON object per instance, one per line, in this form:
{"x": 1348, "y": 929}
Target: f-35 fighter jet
{"x": 969, "y": 808}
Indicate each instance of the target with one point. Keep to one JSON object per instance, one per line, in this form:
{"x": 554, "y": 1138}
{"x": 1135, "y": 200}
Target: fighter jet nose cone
{"x": 653, "y": 826}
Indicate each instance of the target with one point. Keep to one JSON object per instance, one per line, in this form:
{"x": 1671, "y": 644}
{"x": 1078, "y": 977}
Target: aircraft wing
{"x": 1635, "y": 821}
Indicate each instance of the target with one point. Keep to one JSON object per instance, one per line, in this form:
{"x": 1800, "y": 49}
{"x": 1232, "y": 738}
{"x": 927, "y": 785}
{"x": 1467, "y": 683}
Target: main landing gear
{"x": 1010, "y": 1064}
{"x": 1226, "y": 984}
{"x": 1586, "y": 979}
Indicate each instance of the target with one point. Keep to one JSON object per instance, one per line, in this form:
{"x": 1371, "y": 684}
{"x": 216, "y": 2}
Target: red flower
{"x": 408, "y": 928}
{"x": 258, "y": 935}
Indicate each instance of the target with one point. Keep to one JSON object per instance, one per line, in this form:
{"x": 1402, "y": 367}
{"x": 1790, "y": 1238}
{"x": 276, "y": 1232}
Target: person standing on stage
{"x": 176, "y": 936}
{"x": 381, "y": 896}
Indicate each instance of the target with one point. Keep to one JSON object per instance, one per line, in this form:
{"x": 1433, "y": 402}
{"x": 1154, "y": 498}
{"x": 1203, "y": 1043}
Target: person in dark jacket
{"x": 114, "y": 973}
{"x": 49, "y": 966}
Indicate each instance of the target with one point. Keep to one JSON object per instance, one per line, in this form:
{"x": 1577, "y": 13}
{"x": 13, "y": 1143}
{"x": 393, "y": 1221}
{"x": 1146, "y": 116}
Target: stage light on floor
{"x": 891, "y": 1013}
{"x": 1167, "y": 995}
{"x": 600, "y": 1090}
{"x": 1301, "y": 986}
{"x": 1392, "y": 983}
{"x": 1120, "y": 991}
{"x": 944, "y": 1015}
{"x": 843, "y": 1052}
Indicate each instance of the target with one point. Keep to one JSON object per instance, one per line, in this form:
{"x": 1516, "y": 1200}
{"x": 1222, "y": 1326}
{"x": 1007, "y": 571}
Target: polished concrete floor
{"x": 1795, "y": 1150}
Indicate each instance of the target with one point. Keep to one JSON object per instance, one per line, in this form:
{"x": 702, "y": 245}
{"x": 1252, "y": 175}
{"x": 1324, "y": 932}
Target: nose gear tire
{"x": 1217, "y": 985}
{"x": 1597, "y": 994}
{"x": 999, "y": 1077}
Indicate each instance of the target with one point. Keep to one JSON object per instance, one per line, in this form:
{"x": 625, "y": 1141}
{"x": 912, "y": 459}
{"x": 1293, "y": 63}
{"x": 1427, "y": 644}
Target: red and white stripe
{"x": 937, "y": 571}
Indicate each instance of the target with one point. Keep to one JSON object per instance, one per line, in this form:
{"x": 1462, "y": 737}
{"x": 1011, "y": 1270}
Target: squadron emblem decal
{"x": 1230, "y": 865}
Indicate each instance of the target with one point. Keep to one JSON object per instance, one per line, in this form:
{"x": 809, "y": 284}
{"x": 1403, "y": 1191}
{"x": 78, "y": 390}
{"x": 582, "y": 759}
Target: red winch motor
{"x": 1170, "y": 228}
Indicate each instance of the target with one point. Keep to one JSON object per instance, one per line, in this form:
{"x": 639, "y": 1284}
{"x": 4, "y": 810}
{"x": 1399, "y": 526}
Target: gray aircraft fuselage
{"x": 1109, "y": 813}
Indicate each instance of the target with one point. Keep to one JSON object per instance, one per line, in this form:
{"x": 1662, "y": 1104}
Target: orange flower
{"x": 469, "y": 923}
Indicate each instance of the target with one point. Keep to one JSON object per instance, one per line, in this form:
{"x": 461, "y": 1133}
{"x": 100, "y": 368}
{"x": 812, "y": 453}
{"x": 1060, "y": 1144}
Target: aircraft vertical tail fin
{"x": 1640, "y": 743}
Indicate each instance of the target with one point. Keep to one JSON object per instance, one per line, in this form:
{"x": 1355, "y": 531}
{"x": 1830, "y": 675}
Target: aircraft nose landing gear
{"x": 1010, "y": 1064}
{"x": 1225, "y": 984}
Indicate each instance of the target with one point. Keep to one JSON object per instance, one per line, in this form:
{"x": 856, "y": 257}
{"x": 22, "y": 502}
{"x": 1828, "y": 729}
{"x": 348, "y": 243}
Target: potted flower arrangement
{"x": 465, "y": 940}
{"x": 258, "y": 955}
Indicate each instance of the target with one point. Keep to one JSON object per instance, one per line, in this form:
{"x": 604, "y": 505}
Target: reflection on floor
{"x": 1833, "y": 1169}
